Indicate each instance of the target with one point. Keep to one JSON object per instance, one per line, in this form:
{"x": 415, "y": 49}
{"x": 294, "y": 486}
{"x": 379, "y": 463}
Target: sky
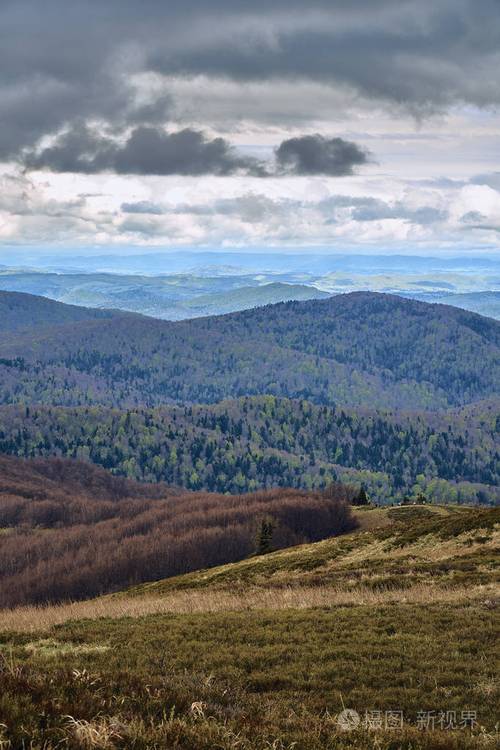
{"x": 355, "y": 126}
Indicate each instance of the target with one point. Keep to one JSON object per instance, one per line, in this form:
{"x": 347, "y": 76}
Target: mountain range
{"x": 394, "y": 394}
{"x": 168, "y": 297}
{"x": 360, "y": 349}
{"x": 170, "y": 288}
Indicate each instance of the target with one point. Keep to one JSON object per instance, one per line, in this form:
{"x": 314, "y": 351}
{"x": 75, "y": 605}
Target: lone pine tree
{"x": 265, "y": 536}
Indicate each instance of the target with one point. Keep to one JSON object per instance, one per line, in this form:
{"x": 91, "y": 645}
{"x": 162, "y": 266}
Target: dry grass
{"x": 370, "y": 518}
{"x": 381, "y": 557}
{"x": 427, "y": 548}
{"x": 100, "y": 734}
{"x": 38, "y": 618}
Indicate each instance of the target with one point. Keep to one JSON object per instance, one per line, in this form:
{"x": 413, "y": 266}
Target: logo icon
{"x": 348, "y": 719}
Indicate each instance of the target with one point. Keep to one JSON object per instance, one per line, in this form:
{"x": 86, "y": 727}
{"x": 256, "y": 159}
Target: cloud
{"x": 250, "y": 208}
{"x": 146, "y": 151}
{"x": 153, "y": 151}
{"x": 491, "y": 179}
{"x": 187, "y": 152}
{"x": 258, "y": 209}
{"x": 28, "y": 213}
{"x": 119, "y": 93}
{"x": 142, "y": 207}
{"x": 88, "y": 61}
{"x": 195, "y": 215}
{"x": 423, "y": 55}
{"x": 314, "y": 154}
{"x": 373, "y": 209}
{"x": 473, "y": 217}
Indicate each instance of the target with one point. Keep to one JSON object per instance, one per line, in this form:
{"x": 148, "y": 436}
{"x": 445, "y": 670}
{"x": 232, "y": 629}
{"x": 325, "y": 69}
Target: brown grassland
{"x": 263, "y": 654}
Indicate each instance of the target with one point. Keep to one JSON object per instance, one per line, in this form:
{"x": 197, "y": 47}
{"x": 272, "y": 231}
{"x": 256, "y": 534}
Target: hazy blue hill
{"x": 315, "y": 261}
{"x": 169, "y": 297}
{"x": 362, "y": 349}
{"x": 104, "y": 289}
{"x": 484, "y": 303}
{"x": 26, "y": 311}
{"x": 181, "y": 300}
{"x": 246, "y": 298}
{"x": 220, "y": 289}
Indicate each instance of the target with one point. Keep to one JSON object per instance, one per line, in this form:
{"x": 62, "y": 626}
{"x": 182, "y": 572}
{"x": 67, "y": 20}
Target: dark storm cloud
{"x": 188, "y": 152}
{"x": 425, "y": 54}
{"x": 152, "y": 151}
{"x": 65, "y": 62}
{"x": 314, "y": 154}
{"x": 147, "y": 151}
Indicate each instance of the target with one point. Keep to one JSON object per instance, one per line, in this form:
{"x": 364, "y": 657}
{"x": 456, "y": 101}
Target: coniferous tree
{"x": 361, "y": 498}
{"x": 265, "y": 536}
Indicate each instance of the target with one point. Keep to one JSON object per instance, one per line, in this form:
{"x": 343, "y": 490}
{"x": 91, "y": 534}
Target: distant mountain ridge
{"x": 359, "y": 349}
{"x": 483, "y": 303}
{"x": 219, "y": 289}
{"x": 245, "y": 298}
{"x": 171, "y": 297}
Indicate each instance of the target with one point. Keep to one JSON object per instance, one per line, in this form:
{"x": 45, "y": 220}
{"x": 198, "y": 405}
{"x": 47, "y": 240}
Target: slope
{"x": 396, "y": 622}
{"x": 70, "y": 531}
{"x": 357, "y": 349}
{"x": 258, "y": 442}
{"x": 19, "y": 311}
{"x": 394, "y": 551}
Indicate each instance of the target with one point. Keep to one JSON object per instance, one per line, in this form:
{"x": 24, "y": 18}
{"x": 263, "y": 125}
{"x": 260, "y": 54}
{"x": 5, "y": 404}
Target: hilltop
{"x": 359, "y": 349}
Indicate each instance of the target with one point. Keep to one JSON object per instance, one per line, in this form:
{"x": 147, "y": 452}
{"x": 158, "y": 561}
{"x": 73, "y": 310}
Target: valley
{"x": 224, "y": 532}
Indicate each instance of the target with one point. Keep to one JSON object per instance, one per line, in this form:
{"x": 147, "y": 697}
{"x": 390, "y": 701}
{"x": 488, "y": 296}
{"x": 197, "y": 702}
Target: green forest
{"x": 261, "y": 442}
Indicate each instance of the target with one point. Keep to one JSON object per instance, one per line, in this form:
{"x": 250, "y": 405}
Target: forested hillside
{"x": 20, "y": 311}
{"x": 261, "y": 442}
{"x": 70, "y": 531}
{"x": 360, "y": 349}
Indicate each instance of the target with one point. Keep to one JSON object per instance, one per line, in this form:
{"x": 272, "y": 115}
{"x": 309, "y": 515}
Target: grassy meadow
{"x": 397, "y": 621}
